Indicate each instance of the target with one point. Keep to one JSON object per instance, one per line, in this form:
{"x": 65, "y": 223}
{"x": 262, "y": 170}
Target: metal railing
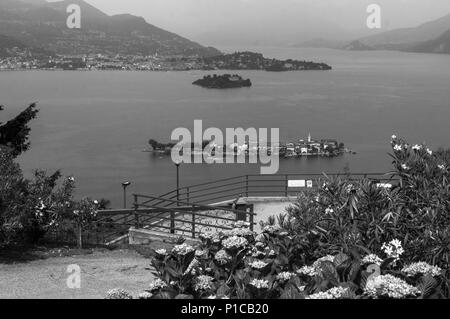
{"x": 171, "y": 216}
{"x": 257, "y": 186}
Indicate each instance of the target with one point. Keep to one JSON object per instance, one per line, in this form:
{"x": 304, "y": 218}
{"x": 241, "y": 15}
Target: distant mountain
{"x": 38, "y": 23}
{"x": 357, "y": 46}
{"x": 438, "y": 45}
{"x": 401, "y": 39}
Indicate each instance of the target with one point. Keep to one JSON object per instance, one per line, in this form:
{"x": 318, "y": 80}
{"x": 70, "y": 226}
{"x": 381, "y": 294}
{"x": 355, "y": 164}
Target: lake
{"x": 95, "y": 125}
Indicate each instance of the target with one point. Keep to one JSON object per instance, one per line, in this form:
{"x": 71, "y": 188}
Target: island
{"x": 256, "y": 61}
{"x": 225, "y": 81}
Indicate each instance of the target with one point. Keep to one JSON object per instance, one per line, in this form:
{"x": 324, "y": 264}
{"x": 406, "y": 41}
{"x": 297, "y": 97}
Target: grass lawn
{"x": 43, "y": 274}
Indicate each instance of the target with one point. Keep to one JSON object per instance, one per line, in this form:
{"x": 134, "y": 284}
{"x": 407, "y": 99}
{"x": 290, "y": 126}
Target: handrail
{"x": 253, "y": 184}
{"x": 203, "y": 207}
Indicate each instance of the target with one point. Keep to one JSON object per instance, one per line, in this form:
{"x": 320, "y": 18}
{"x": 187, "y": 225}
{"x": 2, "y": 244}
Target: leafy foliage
{"x": 14, "y": 133}
{"x": 327, "y": 246}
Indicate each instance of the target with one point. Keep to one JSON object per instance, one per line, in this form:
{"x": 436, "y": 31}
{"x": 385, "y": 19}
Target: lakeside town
{"x": 26, "y": 60}
{"x": 300, "y": 148}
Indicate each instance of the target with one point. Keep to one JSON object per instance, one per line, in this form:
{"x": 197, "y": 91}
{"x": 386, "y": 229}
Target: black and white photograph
{"x": 224, "y": 154}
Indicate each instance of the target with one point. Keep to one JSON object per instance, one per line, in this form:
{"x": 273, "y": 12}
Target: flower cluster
{"x": 393, "y": 249}
{"x": 285, "y": 276}
{"x": 203, "y": 283}
{"x": 422, "y": 268}
{"x": 183, "y": 249}
{"x": 260, "y": 283}
{"x": 372, "y": 259}
{"x": 118, "y": 294}
{"x": 222, "y": 257}
{"x": 235, "y": 242}
{"x": 161, "y": 252}
{"x": 145, "y": 295}
{"x": 258, "y": 264}
{"x": 333, "y": 293}
{"x": 310, "y": 271}
{"x": 157, "y": 284}
{"x": 389, "y": 286}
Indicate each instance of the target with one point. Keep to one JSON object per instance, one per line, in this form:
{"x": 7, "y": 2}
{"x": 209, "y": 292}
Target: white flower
{"x": 329, "y": 211}
{"x": 260, "y": 283}
{"x": 393, "y": 249}
{"x": 235, "y": 242}
{"x": 430, "y": 152}
{"x": 203, "y": 283}
{"x": 285, "y": 276}
{"x": 145, "y": 295}
{"x": 416, "y": 147}
{"x": 161, "y": 252}
{"x": 394, "y": 137}
{"x": 118, "y": 293}
{"x": 398, "y": 148}
{"x": 258, "y": 254}
{"x": 308, "y": 271}
{"x": 422, "y": 268}
{"x": 372, "y": 259}
{"x": 405, "y": 167}
{"x": 389, "y": 286}
{"x": 258, "y": 264}
{"x": 222, "y": 257}
{"x": 333, "y": 293}
{"x": 441, "y": 167}
{"x": 183, "y": 249}
{"x": 72, "y": 179}
{"x": 95, "y": 202}
{"x": 157, "y": 284}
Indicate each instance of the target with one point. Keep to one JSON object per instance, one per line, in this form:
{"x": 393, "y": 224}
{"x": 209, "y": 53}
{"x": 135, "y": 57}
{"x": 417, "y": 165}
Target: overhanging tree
{"x": 14, "y": 134}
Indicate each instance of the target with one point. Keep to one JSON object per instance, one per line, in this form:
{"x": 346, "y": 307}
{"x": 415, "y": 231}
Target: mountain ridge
{"x": 43, "y": 24}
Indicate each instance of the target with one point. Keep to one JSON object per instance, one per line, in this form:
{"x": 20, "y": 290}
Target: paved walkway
{"x": 100, "y": 272}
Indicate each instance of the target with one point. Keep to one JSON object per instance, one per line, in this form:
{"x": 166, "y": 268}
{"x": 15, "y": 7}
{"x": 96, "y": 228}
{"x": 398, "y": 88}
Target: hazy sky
{"x": 219, "y": 21}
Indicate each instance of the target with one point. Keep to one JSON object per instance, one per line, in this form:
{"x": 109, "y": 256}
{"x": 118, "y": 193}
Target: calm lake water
{"x": 95, "y": 125}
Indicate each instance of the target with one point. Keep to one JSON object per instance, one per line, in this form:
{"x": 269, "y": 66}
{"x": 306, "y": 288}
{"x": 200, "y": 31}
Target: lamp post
{"x": 177, "y": 164}
{"x": 125, "y": 185}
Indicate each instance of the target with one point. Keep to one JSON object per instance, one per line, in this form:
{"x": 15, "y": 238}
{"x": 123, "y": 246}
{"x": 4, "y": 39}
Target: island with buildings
{"x": 295, "y": 149}
{"x": 225, "y": 81}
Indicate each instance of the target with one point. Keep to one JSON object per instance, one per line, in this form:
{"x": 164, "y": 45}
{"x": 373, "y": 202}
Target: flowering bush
{"x": 346, "y": 214}
{"x": 273, "y": 265}
{"x": 29, "y": 208}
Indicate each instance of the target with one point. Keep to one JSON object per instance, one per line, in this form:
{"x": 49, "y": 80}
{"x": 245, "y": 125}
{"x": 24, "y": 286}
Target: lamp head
{"x": 126, "y": 184}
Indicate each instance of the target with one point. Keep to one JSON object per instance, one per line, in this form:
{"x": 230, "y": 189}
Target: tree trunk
{"x": 79, "y": 237}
